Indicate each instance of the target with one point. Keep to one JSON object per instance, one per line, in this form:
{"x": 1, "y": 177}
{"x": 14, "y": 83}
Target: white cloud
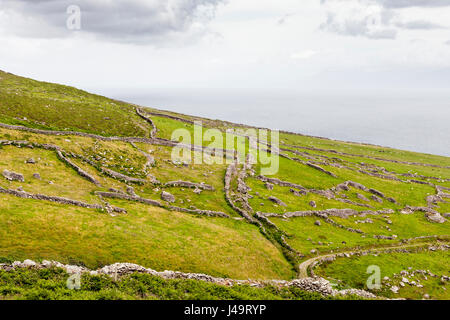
{"x": 303, "y": 55}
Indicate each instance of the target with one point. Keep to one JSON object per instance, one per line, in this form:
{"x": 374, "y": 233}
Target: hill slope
{"x": 91, "y": 172}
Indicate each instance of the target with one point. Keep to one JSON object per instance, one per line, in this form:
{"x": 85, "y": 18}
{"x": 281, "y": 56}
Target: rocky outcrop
{"x": 362, "y": 197}
{"x": 124, "y": 196}
{"x": 13, "y": 176}
{"x": 166, "y": 196}
{"x": 207, "y": 213}
{"x": 321, "y": 169}
{"x": 268, "y": 185}
{"x": 281, "y": 183}
{"x": 187, "y": 184}
{"x": 435, "y": 217}
{"x": 277, "y": 201}
{"x": 122, "y": 177}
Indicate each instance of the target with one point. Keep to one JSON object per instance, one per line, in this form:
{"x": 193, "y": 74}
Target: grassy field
{"x": 351, "y": 273}
{"x": 241, "y": 246}
{"x": 149, "y": 236}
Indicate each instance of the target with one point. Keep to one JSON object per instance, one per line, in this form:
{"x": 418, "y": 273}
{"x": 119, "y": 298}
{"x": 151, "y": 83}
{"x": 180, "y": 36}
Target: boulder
{"x": 167, "y": 197}
{"x": 37, "y": 176}
{"x": 377, "y": 199}
{"x": 29, "y": 264}
{"x": 313, "y": 204}
{"x": 12, "y": 176}
{"x": 318, "y": 223}
{"x": 130, "y": 191}
{"x": 435, "y": 217}
{"x": 362, "y": 197}
{"x": 268, "y": 185}
{"x": 395, "y": 289}
{"x": 31, "y": 161}
{"x": 277, "y": 201}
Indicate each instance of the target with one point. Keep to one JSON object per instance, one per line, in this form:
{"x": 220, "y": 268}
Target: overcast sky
{"x": 291, "y": 44}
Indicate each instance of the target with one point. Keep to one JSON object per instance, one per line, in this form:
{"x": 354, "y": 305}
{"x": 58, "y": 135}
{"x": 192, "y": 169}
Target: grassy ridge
{"x": 50, "y": 106}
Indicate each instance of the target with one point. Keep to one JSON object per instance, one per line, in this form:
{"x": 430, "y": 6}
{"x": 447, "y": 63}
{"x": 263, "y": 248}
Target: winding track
{"x": 304, "y": 266}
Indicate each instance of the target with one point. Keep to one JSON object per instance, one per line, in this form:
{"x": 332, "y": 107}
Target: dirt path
{"x": 303, "y": 267}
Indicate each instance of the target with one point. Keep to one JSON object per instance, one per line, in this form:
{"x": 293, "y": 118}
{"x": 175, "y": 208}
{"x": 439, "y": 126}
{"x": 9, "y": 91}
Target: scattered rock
{"x": 277, "y": 201}
{"x": 29, "y": 264}
{"x": 395, "y": 289}
{"x": 362, "y": 197}
{"x": 376, "y": 199}
{"x": 435, "y": 217}
{"x": 130, "y": 191}
{"x": 167, "y": 197}
{"x": 12, "y": 176}
{"x": 295, "y": 192}
{"x": 268, "y": 185}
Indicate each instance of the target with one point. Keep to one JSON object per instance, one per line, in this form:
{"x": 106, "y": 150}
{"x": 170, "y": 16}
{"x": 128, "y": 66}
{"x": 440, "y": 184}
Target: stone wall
{"x": 61, "y": 200}
{"x": 316, "y": 284}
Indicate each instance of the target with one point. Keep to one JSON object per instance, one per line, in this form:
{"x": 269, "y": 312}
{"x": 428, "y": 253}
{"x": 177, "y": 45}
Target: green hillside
{"x": 92, "y": 170}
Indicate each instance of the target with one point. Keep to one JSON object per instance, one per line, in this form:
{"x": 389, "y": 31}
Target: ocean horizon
{"x": 408, "y": 120}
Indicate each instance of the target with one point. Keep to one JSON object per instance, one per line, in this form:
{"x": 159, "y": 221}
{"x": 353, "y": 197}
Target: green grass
{"x": 55, "y": 107}
{"x": 352, "y": 272}
{"x": 159, "y": 239}
{"x": 299, "y": 230}
{"x": 148, "y": 236}
{"x": 51, "y": 284}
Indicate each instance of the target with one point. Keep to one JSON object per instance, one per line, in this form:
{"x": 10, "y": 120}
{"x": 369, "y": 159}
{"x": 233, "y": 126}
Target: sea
{"x": 411, "y": 120}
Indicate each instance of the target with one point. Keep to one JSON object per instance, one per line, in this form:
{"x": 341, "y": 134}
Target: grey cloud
{"x": 413, "y": 3}
{"x": 119, "y": 20}
{"x": 385, "y": 24}
{"x": 419, "y": 25}
{"x": 448, "y": 43}
{"x": 357, "y": 27}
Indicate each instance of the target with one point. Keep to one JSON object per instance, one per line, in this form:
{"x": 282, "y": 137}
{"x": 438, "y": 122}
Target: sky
{"x": 324, "y": 45}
